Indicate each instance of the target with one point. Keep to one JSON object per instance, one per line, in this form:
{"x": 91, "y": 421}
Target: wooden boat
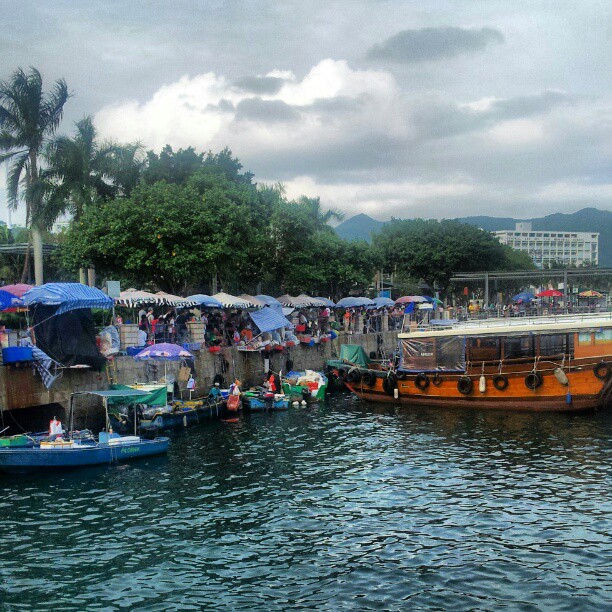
{"x": 259, "y": 400}
{"x": 559, "y": 364}
{"x": 68, "y": 453}
{"x": 308, "y": 385}
{"x": 182, "y": 414}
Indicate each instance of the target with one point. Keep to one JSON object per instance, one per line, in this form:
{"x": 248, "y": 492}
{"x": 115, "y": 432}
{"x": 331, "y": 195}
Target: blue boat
{"x": 260, "y": 401}
{"x": 180, "y": 415}
{"x": 58, "y": 454}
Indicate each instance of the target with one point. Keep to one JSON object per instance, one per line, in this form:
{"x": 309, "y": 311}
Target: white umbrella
{"x": 174, "y": 300}
{"x": 231, "y": 301}
{"x": 134, "y": 297}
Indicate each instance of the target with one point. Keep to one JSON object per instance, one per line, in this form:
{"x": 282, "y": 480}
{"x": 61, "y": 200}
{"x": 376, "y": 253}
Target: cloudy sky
{"x": 388, "y": 107}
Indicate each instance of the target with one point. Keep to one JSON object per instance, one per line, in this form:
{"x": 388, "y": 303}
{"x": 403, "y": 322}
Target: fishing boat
{"x": 307, "y": 385}
{"x": 261, "y": 400}
{"x": 78, "y": 449}
{"x": 556, "y": 364}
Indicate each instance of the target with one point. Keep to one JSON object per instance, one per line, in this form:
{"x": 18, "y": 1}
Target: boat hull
{"x": 586, "y": 392}
{"x": 255, "y": 404}
{"x": 20, "y": 460}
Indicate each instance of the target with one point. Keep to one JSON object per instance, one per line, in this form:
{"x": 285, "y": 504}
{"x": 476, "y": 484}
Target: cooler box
{"x": 17, "y": 354}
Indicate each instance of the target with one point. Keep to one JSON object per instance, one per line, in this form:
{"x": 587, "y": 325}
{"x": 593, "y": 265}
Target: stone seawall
{"x": 21, "y": 387}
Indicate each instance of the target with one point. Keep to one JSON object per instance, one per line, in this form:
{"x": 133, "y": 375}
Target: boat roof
{"x": 518, "y": 326}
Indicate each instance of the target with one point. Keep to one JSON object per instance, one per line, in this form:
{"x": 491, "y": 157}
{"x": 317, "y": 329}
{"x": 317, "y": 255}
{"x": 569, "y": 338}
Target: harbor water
{"x": 342, "y": 505}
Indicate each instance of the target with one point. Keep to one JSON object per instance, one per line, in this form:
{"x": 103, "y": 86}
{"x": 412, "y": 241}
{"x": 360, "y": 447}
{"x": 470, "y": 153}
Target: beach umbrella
{"x": 311, "y": 301}
{"x": 134, "y": 297}
{"x": 268, "y": 299}
{"x": 173, "y": 300}
{"x": 17, "y": 290}
{"x": 549, "y": 293}
{"x": 255, "y": 301}
{"x": 525, "y": 296}
{"x": 231, "y": 301}
{"x": 381, "y": 302}
{"x": 206, "y": 301}
{"x": 163, "y": 352}
{"x": 407, "y": 299}
{"x": 354, "y": 302}
{"x": 590, "y": 293}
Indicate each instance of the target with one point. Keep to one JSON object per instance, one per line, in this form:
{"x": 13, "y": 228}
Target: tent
{"x": 205, "y": 301}
{"x": 268, "y": 319}
{"x": 68, "y": 296}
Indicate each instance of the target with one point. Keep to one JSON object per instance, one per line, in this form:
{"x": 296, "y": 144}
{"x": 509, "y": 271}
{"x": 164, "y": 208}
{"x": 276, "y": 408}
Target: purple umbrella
{"x": 163, "y": 352}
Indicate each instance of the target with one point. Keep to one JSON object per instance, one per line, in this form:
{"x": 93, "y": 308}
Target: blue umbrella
{"x": 525, "y": 296}
{"x": 268, "y": 299}
{"x": 204, "y": 300}
{"x": 354, "y": 302}
{"x": 8, "y": 300}
{"x": 381, "y": 302}
{"x": 327, "y": 301}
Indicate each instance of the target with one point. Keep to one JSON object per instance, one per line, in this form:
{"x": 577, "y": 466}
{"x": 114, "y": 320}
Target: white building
{"x": 549, "y": 247}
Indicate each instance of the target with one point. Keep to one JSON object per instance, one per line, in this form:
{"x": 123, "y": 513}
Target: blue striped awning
{"x": 268, "y": 319}
{"x": 68, "y": 296}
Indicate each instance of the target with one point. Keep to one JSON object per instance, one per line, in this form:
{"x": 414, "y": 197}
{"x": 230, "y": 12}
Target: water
{"x": 339, "y": 506}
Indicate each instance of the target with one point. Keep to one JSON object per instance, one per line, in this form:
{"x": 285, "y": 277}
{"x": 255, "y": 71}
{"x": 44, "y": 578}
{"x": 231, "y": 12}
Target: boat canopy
{"x": 354, "y": 353}
{"x": 127, "y": 395}
{"x": 68, "y": 296}
{"x": 445, "y": 354}
{"x": 268, "y": 319}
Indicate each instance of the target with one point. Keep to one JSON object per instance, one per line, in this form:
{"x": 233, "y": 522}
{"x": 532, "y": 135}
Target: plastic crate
{"x": 17, "y": 354}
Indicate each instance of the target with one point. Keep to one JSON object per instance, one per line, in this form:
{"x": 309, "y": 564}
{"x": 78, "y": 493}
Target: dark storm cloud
{"x": 260, "y": 85}
{"x": 429, "y": 44}
{"x": 266, "y": 111}
{"x": 524, "y": 106}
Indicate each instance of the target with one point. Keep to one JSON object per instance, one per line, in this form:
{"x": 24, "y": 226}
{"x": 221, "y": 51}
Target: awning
{"x": 268, "y": 319}
{"x": 68, "y": 296}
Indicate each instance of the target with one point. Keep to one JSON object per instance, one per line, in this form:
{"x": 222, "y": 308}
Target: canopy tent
{"x": 134, "y": 297}
{"x": 17, "y": 290}
{"x": 326, "y": 301}
{"x": 163, "y": 352}
{"x": 9, "y": 300}
{"x": 524, "y": 296}
{"x": 174, "y": 300}
{"x": 268, "y": 300}
{"x": 407, "y": 299}
{"x": 231, "y": 301}
{"x": 354, "y": 302}
{"x": 205, "y": 301}
{"x": 268, "y": 319}
{"x": 68, "y": 296}
{"x": 589, "y": 293}
{"x": 549, "y": 293}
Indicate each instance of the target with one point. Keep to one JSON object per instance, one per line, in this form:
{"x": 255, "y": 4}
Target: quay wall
{"x": 22, "y": 387}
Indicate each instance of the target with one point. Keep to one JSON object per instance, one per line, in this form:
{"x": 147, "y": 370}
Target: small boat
{"x": 308, "y": 385}
{"x": 69, "y": 453}
{"x": 260, "y": 400}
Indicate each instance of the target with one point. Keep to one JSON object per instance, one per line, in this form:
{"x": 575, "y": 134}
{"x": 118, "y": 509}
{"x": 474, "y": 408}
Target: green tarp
{"x": 354, "y": 353}
{"x": 152, "y": 398}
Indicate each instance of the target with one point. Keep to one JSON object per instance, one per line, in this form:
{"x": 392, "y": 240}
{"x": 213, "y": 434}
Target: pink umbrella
{"x": 17, "y": 290}
{"x": 406, "y": 299}
{"x": 550, "y": 293}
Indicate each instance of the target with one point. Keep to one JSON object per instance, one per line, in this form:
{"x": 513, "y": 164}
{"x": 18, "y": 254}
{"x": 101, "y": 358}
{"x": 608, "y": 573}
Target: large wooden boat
{"x": 559, "y": 364}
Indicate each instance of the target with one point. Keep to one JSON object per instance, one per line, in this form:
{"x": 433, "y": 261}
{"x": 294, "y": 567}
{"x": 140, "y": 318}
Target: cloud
{"x": 430, "y": 44}
{"x": 260, "y": 84}
{"x": 265, "y": 111}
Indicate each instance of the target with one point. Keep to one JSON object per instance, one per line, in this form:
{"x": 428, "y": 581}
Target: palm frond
{"x": 14, "y": 178}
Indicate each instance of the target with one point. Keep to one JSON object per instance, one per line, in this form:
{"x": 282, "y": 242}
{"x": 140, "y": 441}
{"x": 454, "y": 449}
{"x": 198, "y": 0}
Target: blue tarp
{"x": 268, "y": 319}
{"x": 8, "y": 300}
{"x": 68, "y": 296}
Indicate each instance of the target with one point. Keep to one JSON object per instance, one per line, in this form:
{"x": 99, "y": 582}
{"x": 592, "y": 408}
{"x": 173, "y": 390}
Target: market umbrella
{"x": 589, "y": 293}
{"x": 134, "y": 297}
{"x": 311, "y": 301}
{"x": 354, "y": 302}
{"x": 406, "y": 299}
{"x": 200, "y": 299}
{"x": 173, "y": 300}
{"x": 549, "y": 293}
{"x": 268, "y": 299}
{"x": 381, "y": 302}
{"x": 17, "y": 290}
{"x": 231, "y": 301}
{"x": 164, "y": 351}
{"x": 255, "y": 301}
{"x": 326, "y": 301}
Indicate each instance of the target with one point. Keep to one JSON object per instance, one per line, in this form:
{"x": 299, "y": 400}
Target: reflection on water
{"x": 340, "y": 505}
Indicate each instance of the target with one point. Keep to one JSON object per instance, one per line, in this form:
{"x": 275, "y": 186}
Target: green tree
{"x": 28, "y": 119}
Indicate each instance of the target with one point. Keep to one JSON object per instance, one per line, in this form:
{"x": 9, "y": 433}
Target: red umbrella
{"x": 17, "y": 290}
{"x": 550, "y": 293}
{"x": 406, "y": 299}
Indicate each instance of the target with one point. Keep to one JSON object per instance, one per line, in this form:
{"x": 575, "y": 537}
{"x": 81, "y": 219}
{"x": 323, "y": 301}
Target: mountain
{"x": 360, "y": 227}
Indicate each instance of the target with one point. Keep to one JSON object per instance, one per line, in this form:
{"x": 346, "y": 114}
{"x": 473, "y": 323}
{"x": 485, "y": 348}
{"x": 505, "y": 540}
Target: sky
{"x": 393, "y": 108}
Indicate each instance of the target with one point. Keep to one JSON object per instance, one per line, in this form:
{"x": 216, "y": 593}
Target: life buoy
{"x": 354, "y": 376}
{"x": 533, "y": 380}
{"x": 500, "y": 382}
{"x": 389, "y": 383}
{"x": 436, "y": 381}
{"x": 602, "y": 370}
{"x": 369, "y": 378}
{"x": 465, "y": 385}
{"x": 342, "y": 373}
{"x": 421, "y": 381}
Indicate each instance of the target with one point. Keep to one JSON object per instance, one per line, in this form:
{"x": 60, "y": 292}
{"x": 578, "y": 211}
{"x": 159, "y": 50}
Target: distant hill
{"x": 586, "y": 220}
{"x": 359, "y": 227}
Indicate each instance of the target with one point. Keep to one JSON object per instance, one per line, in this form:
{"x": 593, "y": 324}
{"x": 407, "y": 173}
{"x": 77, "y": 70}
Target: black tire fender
{"x": 342, "y": 373}
{"x": 436, "y": 381}
{"x": 421, "y": 381}
{"x": 533, "y": 380}
{"x": 602, "y": 370}
{"x": 369, "y": 378}
{"x": 465, "y": 385}
{"x": 389, "y": 383}
{"x": 500, "y": 382}
{"x": 353, "y": 376}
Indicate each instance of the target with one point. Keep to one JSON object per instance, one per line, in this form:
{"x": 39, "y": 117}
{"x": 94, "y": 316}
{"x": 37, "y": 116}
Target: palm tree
{"x": 320, "y": 218}
{"x": 28, "y": 119}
